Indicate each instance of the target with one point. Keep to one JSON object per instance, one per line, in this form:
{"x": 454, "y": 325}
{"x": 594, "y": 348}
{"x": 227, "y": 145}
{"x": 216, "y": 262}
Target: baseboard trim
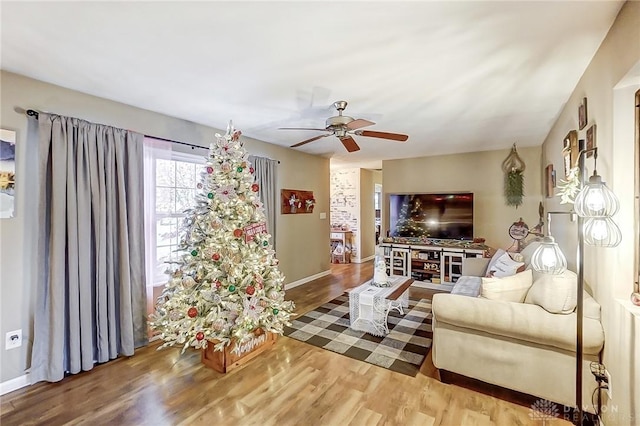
{"x": 14, "y": 384}
{"x": 307, "y": 279}
{"x": 366, "y": 259}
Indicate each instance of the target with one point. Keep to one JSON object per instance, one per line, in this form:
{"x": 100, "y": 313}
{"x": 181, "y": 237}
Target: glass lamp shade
{"x": 595, "y": 199}
{"x": 548, "y": 258}
{"x": 601, "y": 232}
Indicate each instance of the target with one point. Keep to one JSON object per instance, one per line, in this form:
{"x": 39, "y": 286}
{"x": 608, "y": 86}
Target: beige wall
{"x": 609, "y": 272}
{"x": 302, "y": 240}
{"x": 478, "y": 172}
{"x": 367, "y": 214}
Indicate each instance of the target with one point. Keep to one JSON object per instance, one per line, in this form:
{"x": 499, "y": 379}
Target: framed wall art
{"x": 549, "y": 181}
{"x": 582, "y": 114}
{"x": 7, "y": 173}
{"x": 294, "y": 201}
{"x": 591, "y": 139}
{"x": 570, "y": 151}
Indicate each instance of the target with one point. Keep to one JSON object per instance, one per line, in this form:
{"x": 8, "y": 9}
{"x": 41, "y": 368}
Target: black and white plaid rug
{"x": 402, "y": 350}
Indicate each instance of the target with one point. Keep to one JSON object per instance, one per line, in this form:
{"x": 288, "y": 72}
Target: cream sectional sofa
{"x": 519, "y": 346}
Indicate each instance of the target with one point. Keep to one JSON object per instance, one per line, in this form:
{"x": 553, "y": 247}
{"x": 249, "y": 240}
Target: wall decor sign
{"x": 570, "y": 151}
{"x": 250, "y": 231}
{"x": 7, "y": 173}
{"x": 294, "y": 201}
{"x": 591, "y": 139}
{"x": 582, "y": 114}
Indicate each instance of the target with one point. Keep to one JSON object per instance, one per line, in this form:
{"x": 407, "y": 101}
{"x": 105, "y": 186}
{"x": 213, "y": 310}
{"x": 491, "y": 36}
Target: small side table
{"x": 344, "y": 238}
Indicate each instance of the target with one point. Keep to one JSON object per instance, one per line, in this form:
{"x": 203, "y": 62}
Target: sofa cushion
{"x": 513, "y": 288}
{"x": 555, "y": 293}
{"x": 467, "y": 286}
{"x": 519, "y": 321}
{"x": 504, "y": 266}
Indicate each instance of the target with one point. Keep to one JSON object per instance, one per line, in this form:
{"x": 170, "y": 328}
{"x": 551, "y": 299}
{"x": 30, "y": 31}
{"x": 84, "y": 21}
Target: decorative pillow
{"x": 513, "y": 288}
{"x": 467, "y": 286}
{"x": 493, "y": 261}
{"x": 505, "y": 267}
{"x": 555, "y": 293}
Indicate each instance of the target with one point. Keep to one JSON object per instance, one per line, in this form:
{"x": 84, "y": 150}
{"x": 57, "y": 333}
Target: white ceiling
{"x": 454, "y": 76}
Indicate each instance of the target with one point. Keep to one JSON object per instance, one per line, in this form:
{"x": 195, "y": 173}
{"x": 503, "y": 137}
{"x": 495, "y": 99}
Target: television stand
{"x": 434, "y": 264}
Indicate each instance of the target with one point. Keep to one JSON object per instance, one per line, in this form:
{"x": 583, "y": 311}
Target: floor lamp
{"x": 593, "y": 206}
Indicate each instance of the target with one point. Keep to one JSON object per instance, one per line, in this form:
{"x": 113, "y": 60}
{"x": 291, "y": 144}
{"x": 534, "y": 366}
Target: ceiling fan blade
{"x": 310, "y": 140}
{"x": 359, "y": 123}
{"x": 383, "y": 135}
{"x": 349, "y": 143}
{"x": 300, "y": 128}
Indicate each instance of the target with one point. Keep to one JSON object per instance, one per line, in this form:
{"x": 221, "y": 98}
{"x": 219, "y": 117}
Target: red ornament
{"x": 192, "y": 312}
{"x": 218, "y": 284}
{"x": 209, "y": 169}
{"x": 237, "y": 233}
{"x": 251, "y": 170}
{"x": 250, "y": 290}
{"x": 199, "y": 335}
{"x": 255, "y": 187}
{"x": 216, "y": 256}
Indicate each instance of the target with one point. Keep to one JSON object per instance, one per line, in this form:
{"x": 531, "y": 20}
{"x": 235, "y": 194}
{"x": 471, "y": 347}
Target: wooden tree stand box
{"x": 235, "y": 355}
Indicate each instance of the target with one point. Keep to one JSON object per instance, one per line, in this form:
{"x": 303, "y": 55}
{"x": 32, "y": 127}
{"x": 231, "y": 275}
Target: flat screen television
{"x": 438, "y": 216}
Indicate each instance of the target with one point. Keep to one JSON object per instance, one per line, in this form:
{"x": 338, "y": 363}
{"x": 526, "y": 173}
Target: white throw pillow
{"x": 493, "y": 260}
{"x": 505, "y": 267}
{"x": 557, "y": 294}
{"x": 513, "y": 288}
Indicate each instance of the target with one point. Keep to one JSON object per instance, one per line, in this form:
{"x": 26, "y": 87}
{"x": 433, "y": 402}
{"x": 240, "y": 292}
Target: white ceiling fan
{"x": 342, "y": 127}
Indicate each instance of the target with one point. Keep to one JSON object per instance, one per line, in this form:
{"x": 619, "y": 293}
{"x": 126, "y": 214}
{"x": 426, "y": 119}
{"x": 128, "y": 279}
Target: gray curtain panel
{"x": 266, "y": 172}
{"x": 91, "y": 295}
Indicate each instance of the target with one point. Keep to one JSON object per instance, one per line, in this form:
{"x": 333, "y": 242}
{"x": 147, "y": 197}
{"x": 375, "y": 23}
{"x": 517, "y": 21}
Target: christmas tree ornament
{"x": 275, "y": 311}
{"x": 237, "y": 233}
{"x": 255, "y": 187}
{"x": 192, "y": 312}
{"x": 232, "y": 288}
{"x": 210, "y": 195}
{"x": 194, "y": 253}
{"x": 251, "y": 170}
{"x": 239, "y": 169}
{"x": 209, "y": 169}
{"x": 199, "y": 335}
{"x": 251, "y": 290}
{"x": 216, "y": 256}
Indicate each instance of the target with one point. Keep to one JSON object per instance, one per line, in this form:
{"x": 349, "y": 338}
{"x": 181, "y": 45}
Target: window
{"x": 171, "y": 180}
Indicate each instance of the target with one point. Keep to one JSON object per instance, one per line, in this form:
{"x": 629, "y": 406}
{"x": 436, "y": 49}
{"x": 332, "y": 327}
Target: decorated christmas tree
{"x": 227, "y": 284}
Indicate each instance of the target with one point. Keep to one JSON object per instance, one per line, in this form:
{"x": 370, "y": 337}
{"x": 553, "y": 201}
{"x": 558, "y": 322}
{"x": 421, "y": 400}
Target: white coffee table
{"x": 369, "y": 305}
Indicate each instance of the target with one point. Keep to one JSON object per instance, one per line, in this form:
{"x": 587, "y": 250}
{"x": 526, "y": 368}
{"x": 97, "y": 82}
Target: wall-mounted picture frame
{"x": 7, "y": 173}
{"x": 582, "y": 114}
{"x": 295, "y": 201}
{"x": 591, "y": 139}
{"x": 549, "y": 192}
{"x": 570, "y": 151}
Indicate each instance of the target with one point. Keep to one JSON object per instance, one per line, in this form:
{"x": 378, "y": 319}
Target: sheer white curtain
{"x": 90, "y": 301}
{"x": 266, "y": 172}
{"x": 153, "y": 149}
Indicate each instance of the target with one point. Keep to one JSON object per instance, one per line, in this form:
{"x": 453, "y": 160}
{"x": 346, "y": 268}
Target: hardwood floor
{"x": 290, "y": 384}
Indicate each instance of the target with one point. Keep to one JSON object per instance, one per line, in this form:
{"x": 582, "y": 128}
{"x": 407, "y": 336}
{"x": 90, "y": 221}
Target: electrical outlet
{"x": 609, "y": 392}
{"x": 13, "y": 340}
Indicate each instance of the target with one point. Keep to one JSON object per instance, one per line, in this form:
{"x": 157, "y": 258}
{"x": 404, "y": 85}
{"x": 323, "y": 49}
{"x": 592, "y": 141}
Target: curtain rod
{"x": 36, "y": 115}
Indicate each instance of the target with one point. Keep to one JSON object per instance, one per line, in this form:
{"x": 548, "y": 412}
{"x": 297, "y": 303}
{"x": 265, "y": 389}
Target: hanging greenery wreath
{"x": 514, "y": 187}
{"x": 513, "y": 167}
